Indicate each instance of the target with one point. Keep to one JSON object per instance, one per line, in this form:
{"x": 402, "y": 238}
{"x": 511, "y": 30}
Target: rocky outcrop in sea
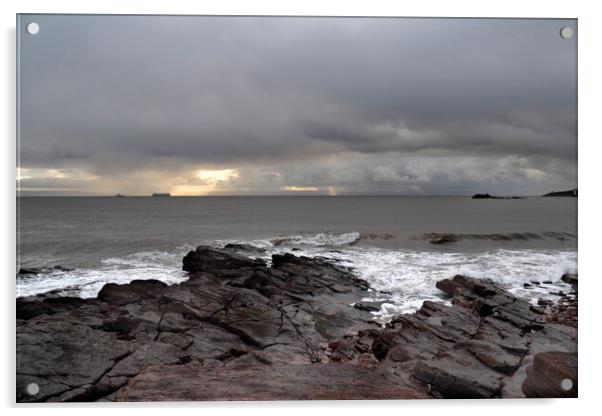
{"x": 241, "y": 329}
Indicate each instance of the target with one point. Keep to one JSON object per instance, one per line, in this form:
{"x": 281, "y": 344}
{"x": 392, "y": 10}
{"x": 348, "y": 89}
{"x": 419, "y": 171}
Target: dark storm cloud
{"x": 360, "y": 104}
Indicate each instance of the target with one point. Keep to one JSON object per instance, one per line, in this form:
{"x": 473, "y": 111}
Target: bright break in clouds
{"x": 283, "y": 105}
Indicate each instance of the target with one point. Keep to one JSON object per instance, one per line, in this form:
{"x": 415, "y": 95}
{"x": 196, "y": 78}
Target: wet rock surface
{"x": 480, "y": 347}
{"x": 240, "y": 329}
{"x": 232, "y": 311}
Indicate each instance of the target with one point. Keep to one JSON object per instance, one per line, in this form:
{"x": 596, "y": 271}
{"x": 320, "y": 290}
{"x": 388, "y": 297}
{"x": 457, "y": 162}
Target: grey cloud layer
{"x": 115, "y": 95}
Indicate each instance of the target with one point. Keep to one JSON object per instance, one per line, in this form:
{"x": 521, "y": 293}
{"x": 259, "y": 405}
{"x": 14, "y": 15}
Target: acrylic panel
{"x": 295, "y": 208}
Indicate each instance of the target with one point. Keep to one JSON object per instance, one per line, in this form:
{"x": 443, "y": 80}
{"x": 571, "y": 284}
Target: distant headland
{"x": 572, "y": 192}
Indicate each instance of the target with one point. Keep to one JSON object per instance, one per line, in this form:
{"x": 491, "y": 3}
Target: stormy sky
{"x": 250, "y": 105}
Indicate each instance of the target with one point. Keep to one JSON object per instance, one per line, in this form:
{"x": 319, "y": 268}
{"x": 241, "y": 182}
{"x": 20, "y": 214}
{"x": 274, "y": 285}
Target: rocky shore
{"x": 240, "y": 329}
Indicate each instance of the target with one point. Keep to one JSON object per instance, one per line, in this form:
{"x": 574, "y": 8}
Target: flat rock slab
{"x": 196, "y": 382}
{"x": 553, "y": 374}
{"x": 239, "y": 329}
{"x": 459, "y": 379}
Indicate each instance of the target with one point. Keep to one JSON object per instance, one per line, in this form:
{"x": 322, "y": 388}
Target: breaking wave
{"x": 400, "y": 278}
{"x": 438, "y": 238}
{"x": 327, "y": 239}
{"x": 298, "y": 240}
{"x": 87, "y": 282}
{"x": 403, "y": 279}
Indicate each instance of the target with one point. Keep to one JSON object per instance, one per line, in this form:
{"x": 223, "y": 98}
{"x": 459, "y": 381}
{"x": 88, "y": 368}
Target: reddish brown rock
{"x": 240, "y": 330}
{"x": 553, "y": 374}
{"x": 477, "y": 348}
{"x": 233, "y": 310}
{"x": 264, "y": 382}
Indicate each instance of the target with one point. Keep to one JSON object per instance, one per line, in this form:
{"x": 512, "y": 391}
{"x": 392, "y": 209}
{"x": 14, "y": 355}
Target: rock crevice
{"x": 240, "y": 329}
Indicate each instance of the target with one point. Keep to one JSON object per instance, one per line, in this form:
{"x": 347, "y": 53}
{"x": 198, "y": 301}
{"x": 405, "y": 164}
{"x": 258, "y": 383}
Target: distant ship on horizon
{"x": 164, "y": 194}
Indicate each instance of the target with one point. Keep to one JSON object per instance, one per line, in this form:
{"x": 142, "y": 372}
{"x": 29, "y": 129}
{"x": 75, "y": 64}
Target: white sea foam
{"x": 409, "y": 277}
{"x": 402, "y": 279}
{"x": 86, "y": 283}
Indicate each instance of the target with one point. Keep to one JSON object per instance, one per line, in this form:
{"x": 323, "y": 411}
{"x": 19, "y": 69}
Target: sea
{"x": 386, "y": 240}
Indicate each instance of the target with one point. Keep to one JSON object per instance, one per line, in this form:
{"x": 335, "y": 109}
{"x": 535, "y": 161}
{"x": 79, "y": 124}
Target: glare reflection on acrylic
{"x": 295, "y": 208}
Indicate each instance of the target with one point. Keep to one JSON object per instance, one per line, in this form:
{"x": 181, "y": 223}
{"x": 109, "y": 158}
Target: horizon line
{"x": 270, "y": 195}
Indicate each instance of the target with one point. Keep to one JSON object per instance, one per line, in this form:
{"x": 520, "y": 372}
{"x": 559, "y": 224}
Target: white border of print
{"x": 589, "y": 189}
